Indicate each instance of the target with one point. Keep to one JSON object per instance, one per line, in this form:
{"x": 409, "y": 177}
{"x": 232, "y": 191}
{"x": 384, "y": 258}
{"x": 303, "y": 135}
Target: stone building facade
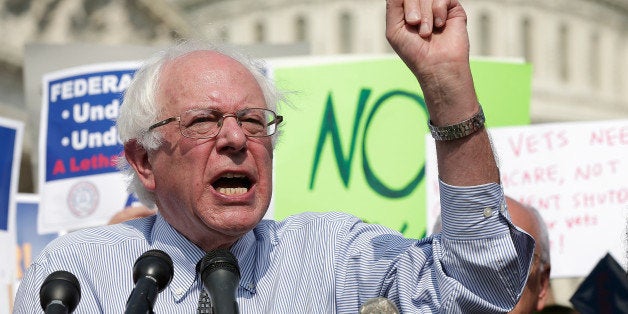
{"x": 105, "y": 22}
{"x": 578, "y": 48}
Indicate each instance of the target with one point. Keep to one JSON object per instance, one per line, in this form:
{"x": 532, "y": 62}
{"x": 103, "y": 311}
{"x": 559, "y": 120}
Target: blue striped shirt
{"x": 311, "y": 263}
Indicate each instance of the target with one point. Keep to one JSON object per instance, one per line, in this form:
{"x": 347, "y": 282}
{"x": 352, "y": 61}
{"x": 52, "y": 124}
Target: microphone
{"x": 152, "y": 272}
{"x": 378, "y": 305}
{"x": 60, "y": 293}
{"x": 220, "y": 275}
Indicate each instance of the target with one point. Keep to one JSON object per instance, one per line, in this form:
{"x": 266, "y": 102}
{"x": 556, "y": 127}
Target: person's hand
{"x": 427, "y": 33}
{"x": 431, "y": 37}
{"x": 131, "y": 212}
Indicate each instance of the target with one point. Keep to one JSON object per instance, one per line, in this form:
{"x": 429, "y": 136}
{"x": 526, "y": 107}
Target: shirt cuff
{"x": 472, "y": 212}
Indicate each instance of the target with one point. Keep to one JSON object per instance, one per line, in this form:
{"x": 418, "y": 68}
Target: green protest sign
{"x": 354, "y": 136}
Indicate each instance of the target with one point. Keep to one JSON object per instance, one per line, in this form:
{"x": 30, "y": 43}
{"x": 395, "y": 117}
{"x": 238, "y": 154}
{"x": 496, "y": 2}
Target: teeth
{"x": 233, "y": 175}
{"x": 232, "y": 191}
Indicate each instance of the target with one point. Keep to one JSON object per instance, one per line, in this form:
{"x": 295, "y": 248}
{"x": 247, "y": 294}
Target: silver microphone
{"x": 378, "y": 305}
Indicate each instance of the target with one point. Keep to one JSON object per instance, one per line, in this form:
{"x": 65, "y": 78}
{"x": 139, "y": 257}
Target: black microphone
{"x": 378, "y": 305}
{"x": 152, "y": 272}
{"x": 60, "y": 293}
{"x": 220, "y": 275}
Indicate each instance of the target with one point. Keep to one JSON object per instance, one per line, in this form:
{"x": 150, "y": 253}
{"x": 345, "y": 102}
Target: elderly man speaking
{"x": 198, "y": 126}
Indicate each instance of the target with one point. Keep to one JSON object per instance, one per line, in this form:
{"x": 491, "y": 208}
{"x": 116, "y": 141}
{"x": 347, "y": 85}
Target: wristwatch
{"x": 459, "y": 130}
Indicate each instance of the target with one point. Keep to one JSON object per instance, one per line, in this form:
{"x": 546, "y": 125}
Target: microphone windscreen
{"x": 219, "y": 259}
{"x": 220, "y": 276}
{"x": 61, "y": 286}
{"x": 155, "y": 264}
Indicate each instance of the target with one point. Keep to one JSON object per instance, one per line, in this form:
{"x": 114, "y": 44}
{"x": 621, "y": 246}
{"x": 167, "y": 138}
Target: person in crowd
{"x": 537, "y": 290}
{"x": 199, "y": 125}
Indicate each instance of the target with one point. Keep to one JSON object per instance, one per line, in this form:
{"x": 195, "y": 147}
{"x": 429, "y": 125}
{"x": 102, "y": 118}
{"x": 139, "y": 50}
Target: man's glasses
{"x": 206, "y": 123}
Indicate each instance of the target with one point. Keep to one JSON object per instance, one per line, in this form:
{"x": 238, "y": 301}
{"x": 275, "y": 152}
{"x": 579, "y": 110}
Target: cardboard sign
{"x": 11, "y": 136}
{"x": 354, "y": 135}
{"x": 79, "y": 183}
{"x": 29, "y": 241}
{"x": 574, "y": 174}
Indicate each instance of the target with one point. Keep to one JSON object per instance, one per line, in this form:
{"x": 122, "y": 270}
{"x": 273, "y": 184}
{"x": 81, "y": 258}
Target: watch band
{"x": 459, "y": 130}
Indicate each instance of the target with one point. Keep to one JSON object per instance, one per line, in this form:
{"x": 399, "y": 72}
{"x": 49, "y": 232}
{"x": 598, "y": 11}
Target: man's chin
{"x": 239, "y": 224}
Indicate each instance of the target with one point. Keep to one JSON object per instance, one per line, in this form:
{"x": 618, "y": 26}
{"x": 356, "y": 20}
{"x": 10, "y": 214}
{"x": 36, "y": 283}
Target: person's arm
{"x": 480, "y": 261}
{"x": 438, "y": 55}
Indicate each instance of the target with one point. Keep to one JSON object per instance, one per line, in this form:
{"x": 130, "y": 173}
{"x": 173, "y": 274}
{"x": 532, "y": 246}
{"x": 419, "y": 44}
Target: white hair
{"x": 140, "y": 109}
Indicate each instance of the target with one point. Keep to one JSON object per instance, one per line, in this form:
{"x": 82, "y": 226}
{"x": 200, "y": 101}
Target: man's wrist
{"x": 458, "y": 130}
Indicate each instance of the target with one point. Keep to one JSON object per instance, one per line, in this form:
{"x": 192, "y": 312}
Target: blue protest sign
{"x": 11, "y": 133}
{"x": 80, "y": 185}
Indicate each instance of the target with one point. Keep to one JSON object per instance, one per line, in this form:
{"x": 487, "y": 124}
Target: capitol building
{"x": 578, "y": 49}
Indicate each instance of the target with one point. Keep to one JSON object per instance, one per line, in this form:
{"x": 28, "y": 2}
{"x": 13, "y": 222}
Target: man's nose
{"x": 231, "y": 136}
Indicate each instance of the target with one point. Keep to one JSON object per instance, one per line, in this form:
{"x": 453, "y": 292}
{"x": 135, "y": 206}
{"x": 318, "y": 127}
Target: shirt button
{"x": 488, "y": 212}
{"x": 179, "y": 291}
{"x": 503, "y": 206}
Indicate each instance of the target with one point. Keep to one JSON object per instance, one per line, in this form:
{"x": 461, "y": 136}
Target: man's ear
{"x": 137, "y": 156}
{"x": 544, "y": 291}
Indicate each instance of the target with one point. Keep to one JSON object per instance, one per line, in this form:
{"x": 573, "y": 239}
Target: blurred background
{"x": 578, "y": 48}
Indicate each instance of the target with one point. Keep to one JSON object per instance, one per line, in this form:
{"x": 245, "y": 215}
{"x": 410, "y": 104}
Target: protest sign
{"x": 29, "y": 241}
{"x": 353, "y": 137}
{"x": 79, "y": 183}
{"x": 574, "y": 174}
{"x": 11, "y": 135}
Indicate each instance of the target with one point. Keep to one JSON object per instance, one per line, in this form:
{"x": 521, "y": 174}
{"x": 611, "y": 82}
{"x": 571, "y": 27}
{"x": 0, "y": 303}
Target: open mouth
{"x": 232, "y": 184}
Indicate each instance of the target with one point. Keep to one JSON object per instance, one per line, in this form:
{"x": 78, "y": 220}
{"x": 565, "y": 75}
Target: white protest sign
{"x": 79, "y": 183}
{"x": 575, "y": 175}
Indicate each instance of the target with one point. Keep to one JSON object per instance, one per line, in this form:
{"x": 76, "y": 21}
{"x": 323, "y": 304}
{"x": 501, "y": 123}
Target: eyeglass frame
{"x": 278, "y": 119}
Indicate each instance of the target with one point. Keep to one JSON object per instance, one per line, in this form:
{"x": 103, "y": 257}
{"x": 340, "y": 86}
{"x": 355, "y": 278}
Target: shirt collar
{"x": 185, "y": 255}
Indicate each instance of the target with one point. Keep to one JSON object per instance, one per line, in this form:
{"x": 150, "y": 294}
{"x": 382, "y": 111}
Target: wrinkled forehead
{"x": 208, "y": 77}
{"x": 203, "y": 57}
{"x": 203, "y": 63}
